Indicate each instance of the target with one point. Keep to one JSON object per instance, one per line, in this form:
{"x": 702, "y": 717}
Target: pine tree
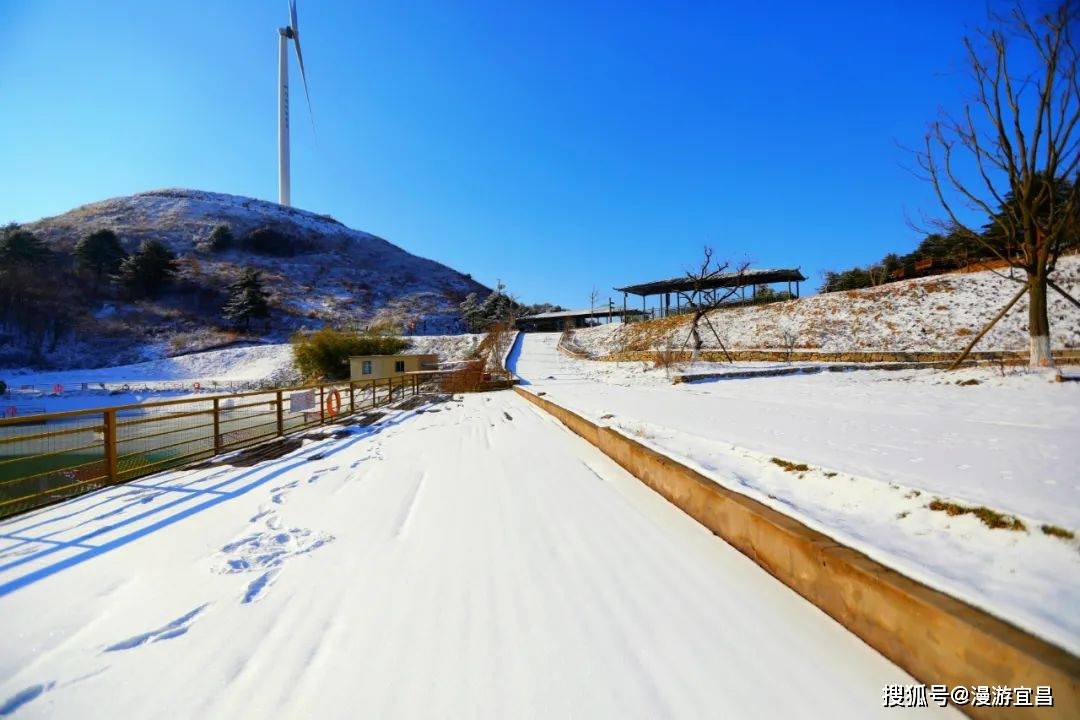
{"x": 100, "y": 252}
{"x": 148, "y": 270}
{"x": 247, "y": 300}
{"x": 21, "y": 247}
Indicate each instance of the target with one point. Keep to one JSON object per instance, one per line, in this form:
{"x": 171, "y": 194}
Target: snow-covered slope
{"x": 331, "y": 274}
{"x": 939, "y": 313}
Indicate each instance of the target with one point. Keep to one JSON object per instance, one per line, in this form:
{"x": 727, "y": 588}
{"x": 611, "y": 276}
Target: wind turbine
{"x": 285, "y": 34}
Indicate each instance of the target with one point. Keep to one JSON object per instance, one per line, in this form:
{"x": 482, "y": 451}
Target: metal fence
{"x": 48, "y": 457}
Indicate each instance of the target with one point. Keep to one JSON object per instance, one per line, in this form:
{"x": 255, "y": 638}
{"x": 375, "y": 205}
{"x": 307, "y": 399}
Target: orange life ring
{"x": 333, "y": 403}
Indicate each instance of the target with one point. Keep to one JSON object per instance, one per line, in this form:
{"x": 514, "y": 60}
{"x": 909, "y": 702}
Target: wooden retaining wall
{"x": 935, "y": 637}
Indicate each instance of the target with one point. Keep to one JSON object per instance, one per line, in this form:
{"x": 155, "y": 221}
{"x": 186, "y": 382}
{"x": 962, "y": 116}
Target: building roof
{"x": 599, "y": 311}
{"x": 394, "y": 355}
{"x": 722, "y": 280}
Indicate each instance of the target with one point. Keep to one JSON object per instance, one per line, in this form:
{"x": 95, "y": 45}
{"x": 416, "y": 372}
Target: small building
{"x": 381, "y": 367}
{"x": 573, "y": 319}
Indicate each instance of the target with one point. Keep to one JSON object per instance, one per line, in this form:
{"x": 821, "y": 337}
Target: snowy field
{"x": 939, "y": 313}
{"x": 228, "y": 370}
{"x": 468, "y": 559}
{"x": 880, "y": 446}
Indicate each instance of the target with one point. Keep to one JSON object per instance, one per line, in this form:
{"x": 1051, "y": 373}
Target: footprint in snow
{"x": 171, "y": 630}
{"x": 265, "y": 552}
{"x": 24, "y": 696}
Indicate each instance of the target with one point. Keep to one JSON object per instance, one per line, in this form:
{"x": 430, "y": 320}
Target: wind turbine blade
{"x": 303, "y": 76}
{"x": 300, "y": 58}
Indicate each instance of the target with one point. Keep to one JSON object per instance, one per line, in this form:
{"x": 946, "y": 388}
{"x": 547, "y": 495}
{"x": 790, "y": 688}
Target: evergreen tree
{"x": 21, "y": 247}
{"x": 148, "y": 270}
{"x": 247, "y": 300}
{"x": 220, "y": 238}
{"x": 100, "y": 252}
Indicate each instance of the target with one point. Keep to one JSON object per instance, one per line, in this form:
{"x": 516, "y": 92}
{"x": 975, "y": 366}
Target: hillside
{"x": 327, "y": 273}
{"x": 939, "y": 313}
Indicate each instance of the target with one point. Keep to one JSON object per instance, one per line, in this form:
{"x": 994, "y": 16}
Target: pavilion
{"x": 689, "y": 285}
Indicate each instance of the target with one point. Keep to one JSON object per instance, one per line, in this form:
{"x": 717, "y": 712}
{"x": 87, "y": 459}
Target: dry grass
{"x": 790, "y": 466}
{"x": 991, "y": 518}
{"x": 644, "y": 336}
{"x": 468, "y": 378}
{"x": 1058, "y": 532}
{"x": 666, "y": 358}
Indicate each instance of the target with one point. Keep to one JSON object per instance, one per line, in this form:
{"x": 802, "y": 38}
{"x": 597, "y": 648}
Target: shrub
{"x": 3, "y": 387}
{"x": 325, "y": 353}
{"x": 270, "y": 241}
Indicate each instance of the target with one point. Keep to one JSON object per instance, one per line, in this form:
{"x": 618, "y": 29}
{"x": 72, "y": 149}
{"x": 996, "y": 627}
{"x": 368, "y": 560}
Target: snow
{"x": 881, "y": 446}
{"x": 472, "y": 560}
{"x": 237, "y": 368}
{"x": 251, "y": 364}
{"x": 939, "y": 313}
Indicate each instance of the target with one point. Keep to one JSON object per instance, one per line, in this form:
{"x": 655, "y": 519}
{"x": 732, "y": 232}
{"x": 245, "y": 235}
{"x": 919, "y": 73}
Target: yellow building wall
{"x": 385, "y": 366}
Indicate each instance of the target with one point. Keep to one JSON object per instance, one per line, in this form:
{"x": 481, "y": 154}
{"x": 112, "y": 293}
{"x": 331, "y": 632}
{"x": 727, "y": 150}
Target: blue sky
{"x": 554, "y": 145}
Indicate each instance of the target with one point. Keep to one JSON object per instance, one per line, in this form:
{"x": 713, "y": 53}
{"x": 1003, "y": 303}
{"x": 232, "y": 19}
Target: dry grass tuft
{"x": 790, "y": 466}
{"x": 990, "y": 518}
{"x": 1058, "y": 532}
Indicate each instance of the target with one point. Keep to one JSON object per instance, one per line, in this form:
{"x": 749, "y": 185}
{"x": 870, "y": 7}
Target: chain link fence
{"x": 48, "y": 457}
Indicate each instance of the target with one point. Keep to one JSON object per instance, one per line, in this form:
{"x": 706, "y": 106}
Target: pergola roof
{"x": 723, "y": 280}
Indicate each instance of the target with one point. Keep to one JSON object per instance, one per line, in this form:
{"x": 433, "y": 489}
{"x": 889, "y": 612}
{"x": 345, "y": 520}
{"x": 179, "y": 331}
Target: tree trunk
{"x": 1038, "y": 321}
{"x": 696, "y": 351}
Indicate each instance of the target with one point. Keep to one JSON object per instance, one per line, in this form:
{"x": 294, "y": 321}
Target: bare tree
{"x": 1015, "y": 148}
{"x": 594, "y": 294}
{"x": 702, "y": 298}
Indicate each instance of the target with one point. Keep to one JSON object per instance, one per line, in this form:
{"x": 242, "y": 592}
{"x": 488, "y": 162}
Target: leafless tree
{"x": 701, "y": 298}
{"x": 1012, "y": 154}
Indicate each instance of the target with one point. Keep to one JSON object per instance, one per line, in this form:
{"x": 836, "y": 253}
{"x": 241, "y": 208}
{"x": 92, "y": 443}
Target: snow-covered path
{"x": 881, "y": 445}
{"x": 473, "y": 560}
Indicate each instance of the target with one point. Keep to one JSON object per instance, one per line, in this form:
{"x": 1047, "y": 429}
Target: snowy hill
{"x": 939, "y": 313}
{"x": 329, "y": 273}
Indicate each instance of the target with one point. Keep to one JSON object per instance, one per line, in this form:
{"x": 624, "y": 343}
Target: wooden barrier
{"x": 935, "y": 637}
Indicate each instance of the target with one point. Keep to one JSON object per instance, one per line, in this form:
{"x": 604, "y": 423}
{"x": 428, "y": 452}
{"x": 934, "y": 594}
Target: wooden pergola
{"x": 684, "y": 284}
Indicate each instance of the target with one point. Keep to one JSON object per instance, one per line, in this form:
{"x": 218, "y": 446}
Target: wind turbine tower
{"x": 285, "y": 34}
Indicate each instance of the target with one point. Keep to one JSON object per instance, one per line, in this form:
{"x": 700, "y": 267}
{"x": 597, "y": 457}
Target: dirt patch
{"x": 326, "y": 435}
{"x": 365, "y": 419}
{"x": 261, "y": 453}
